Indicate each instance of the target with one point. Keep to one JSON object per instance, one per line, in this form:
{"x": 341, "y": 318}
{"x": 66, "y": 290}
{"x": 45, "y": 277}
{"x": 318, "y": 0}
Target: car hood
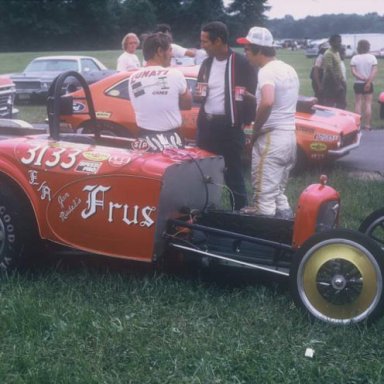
{"x": 35, "y": 75}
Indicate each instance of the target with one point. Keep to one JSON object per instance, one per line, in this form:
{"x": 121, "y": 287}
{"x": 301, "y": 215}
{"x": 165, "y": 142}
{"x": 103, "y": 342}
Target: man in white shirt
{"x": 158, "y": 91}
{"x": 274, "y": 136}
{"x": 128, "y": 59}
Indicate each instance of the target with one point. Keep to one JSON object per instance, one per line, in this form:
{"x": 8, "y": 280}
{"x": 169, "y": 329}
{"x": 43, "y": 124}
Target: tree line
{"x": 33, "y": 25}
{"x": 44, "y": 25}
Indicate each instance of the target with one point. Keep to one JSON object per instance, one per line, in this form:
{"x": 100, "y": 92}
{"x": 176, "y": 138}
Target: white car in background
{"x": 34, "y": 82}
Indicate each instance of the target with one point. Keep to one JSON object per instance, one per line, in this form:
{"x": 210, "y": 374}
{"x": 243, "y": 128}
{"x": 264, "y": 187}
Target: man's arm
{"x": 185, "y": 100}
{"x": 263, "y": 109}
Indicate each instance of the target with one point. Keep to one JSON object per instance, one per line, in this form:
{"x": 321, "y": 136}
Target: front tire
{"x": 18, "y": 232}
{"x": 373, "y": 226}
{"x": 337, "y": 277}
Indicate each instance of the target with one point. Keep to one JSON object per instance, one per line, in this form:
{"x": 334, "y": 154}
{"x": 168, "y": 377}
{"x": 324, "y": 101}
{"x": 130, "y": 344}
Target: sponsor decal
{"x": 119, "y": 160}
{"x": 67, "y": 205}
{"x": 97, "y": 203}
{"x": 43, "y": 188}
{"x": 318, "y": 147}
{"x": 96, "y": 156}
{"x": 325, "y": 137}
{"x": 88, "y": 166}
{"x": 140, "y": 145}
{"x": 306, "y": 130}
{"x": 103, "y": 115}
{"x": 78, "y": 107}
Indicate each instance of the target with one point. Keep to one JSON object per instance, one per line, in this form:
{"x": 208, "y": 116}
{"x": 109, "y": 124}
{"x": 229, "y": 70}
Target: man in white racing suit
{"x": 274, "y": 138}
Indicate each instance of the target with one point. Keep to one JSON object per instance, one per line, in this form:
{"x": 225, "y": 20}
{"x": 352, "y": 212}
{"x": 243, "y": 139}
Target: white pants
{"x": 273, "y": 156}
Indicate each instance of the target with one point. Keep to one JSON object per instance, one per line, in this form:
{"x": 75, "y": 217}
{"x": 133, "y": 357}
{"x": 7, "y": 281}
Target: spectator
{"x": 177, "y": 50}
{"x": 223, "y": 79}
{"x": 317, "y": 75}
{"x": 157, "y": 92}
{"x": 128, "y": 59}
{"x": 364, "y": 70}
{"x": 334, "y": 85}
{"x": 274, "y": 136}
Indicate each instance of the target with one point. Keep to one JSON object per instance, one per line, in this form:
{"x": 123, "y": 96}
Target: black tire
{"x": 107, "y": 128}
{"x": 373, "y": 226}
{"x": 19, "y": 238}
{"x": 337, "y": 277}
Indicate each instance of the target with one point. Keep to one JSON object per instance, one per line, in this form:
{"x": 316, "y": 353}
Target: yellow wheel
{"x": 337, "y": 276}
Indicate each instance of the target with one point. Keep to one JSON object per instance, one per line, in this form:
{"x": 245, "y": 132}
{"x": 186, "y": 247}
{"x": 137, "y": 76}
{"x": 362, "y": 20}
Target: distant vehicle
{"x": 322, "y": 133}
{"x": 34, "y": 82}
{"x": 7, "y": 98}
{"x": 381, "y": 102}
{"x": 350, "y": 41}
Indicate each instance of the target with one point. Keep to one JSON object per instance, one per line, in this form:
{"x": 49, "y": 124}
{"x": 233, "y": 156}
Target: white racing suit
{"x": 273, "y": 156}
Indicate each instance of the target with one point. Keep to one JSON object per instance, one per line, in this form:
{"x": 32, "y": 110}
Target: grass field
{"x": 91, "y": 320}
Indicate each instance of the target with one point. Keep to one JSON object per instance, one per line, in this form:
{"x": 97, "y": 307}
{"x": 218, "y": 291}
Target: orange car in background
{"x": 322, "y": 133}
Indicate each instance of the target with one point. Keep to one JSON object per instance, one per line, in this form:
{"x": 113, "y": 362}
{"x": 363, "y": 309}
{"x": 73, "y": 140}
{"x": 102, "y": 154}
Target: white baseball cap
{"x": 259, "y": 36}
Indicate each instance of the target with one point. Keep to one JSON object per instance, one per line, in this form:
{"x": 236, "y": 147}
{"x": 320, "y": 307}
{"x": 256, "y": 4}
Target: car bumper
{"x": 336, "y": 153}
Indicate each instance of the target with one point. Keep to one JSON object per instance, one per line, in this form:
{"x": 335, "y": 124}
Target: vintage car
{"x": 154, "y": 200}
{"x": 323, "y": 133}
{"x": 34, "y": 82}
{"x": 7, "y": 98}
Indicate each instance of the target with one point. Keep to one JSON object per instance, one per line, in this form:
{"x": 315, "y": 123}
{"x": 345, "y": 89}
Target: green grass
{"x": 94, "y": 320}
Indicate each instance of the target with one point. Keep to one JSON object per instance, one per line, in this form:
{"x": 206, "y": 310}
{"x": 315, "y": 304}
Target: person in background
{"x": 274, "y": 135}
{"x": 334, "y": 85}
{"x": 364, "y": 70}
{"x": 128, "y": 59}
{"x": 317, "y": 75}
{"x": 158, "y": 91}
{"x": 177, "y": 50}
{"x": 223, "y": 81}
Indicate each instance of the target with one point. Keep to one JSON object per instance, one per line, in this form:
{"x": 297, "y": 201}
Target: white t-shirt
{"x": 286, "y": 83}
{"x": 216, "y": 93}
{"x": 154, "y": 93}
{"x": 363, "y": 64}
{"x": 127, "y": 61}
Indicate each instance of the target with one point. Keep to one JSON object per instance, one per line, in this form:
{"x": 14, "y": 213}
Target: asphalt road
{"x": 369, "y": 156}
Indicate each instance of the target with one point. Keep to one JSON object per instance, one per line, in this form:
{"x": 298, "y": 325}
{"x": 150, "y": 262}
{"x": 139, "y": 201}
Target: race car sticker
{"x": 78, "y": 107}
{"x": 88, "y": 167}
{"x": 119, "y": 160}
{"x": 130, "y": 215}
{"x": 103, "y": 115}
{"x": 42, "y": 155}
{"x": 42, "y": 187}
{"x": 325, "y": 137}
{"x": 96, "y": 156}
{"x": 68, "y": 205}
{"x": 318, "y": 147}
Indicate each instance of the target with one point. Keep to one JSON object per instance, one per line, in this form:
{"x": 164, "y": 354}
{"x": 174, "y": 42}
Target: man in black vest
{"x": 224, "y": 81}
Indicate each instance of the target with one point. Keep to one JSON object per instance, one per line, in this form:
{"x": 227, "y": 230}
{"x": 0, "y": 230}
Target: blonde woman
{"x": 128, "y": 59}
{"x": 364, "y": 70}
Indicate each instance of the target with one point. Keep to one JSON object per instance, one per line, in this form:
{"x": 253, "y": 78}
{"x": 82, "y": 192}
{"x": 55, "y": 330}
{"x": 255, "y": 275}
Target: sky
{"x": 302, "y": 8}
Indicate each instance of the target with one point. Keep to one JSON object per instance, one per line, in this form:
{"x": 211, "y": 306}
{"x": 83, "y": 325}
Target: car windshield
{"x": 54, "y": 65}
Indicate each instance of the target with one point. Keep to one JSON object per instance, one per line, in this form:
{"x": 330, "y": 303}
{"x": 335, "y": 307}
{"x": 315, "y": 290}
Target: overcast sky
{"x": 302, "y": 8}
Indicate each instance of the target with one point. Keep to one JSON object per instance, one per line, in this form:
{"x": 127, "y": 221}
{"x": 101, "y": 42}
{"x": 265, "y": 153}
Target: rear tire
{"x": 337, "y": 277}
{"x": 373, "y": 226}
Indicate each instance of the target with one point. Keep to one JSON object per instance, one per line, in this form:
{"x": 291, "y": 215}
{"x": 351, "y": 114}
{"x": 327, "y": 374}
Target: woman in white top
{"x": 128, "y": 59}
{"x": 364, "y": 70}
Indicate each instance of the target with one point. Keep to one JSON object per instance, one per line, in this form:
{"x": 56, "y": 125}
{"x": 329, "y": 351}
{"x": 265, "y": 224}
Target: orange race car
{"x": 323, "y": 133}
